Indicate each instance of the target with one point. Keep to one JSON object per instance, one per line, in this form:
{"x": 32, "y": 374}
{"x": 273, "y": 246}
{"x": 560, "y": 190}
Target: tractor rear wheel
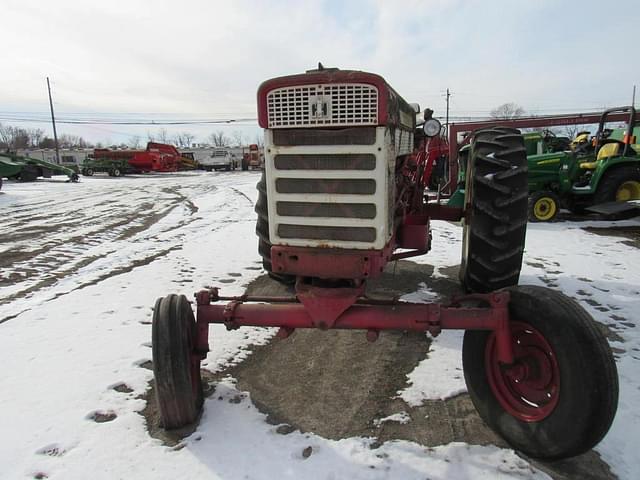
{"x": 176, "y": 364}
{"x": 559, "y": 397}
{"x": 619, "y": 185}
{"x": 29, "y": 173}
{"x": 543, "y": 206}
{"x": 496, "y": 193}
{"x": 262, "y": 230}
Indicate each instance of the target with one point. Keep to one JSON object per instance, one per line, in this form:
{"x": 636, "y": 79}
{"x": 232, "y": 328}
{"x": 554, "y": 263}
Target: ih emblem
{"x": 320, "y": 107}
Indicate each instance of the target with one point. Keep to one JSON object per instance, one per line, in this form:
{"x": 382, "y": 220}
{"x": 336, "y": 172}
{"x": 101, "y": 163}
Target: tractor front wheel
{"x": 262, "y": 230}
{"x": 559, "y": 397}
{"x": 495, "y": 224}
{"x": 543, "y": 206}
{"x": 176, "y": 364}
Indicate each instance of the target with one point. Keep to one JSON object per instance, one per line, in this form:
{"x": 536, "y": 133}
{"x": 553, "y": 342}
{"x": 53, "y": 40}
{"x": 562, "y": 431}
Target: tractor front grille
{"x": 320, "y": 209}
{"x": 313, "y": 232}
{"x": 362, "y": 161}
{"x": 317, "y": 136}
{"x": 330, "y": 186}
{"x": 333, "y": 104}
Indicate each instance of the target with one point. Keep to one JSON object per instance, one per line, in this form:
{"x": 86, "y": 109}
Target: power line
{"x": 125, "y": 122}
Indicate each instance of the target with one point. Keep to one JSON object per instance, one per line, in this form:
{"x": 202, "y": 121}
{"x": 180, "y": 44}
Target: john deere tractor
{"x": 600, "y": 175}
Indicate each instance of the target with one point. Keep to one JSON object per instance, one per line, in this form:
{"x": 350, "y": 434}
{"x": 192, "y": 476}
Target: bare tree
{"x": 12, "y": 138}
{"x": 507, "y": 111}
{"x": 183, "y": 139}
{"x": 6, "y": 136}
{"x": 218, "y": 139}
{"x": 134, "y": 141}
{"x": 163, "y": 136}
{"x": 238, "y": 138}
{"x": 572, "y": 131}
{"x": 259, "y": 140}
{"x": 36, "y": 135}
{"x": 47, "y": 142}
{"x": 150, "y": 137}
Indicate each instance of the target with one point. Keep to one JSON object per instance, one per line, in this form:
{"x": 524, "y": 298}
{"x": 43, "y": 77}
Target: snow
{"x": 400, "y": 417}
{"x": 75, "y": 323}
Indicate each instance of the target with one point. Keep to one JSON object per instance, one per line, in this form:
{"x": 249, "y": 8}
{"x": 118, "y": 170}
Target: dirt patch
{"x": 632, "y": 234}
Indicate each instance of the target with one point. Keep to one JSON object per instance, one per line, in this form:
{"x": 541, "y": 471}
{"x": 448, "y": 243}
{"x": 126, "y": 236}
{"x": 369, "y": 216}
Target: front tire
{"x": 262, "y": 230}
{"x": 496, "y": 193}
{"x": 560, "y": 396}
{"x": 176, "y": 364}
{"x": 543, "y": 206}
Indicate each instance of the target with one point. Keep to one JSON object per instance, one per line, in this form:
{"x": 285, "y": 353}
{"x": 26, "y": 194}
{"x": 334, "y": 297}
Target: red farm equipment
{"x": 158, "y": 157}
{"x": 251, "y": 158}
{"x": 343, "y": 194}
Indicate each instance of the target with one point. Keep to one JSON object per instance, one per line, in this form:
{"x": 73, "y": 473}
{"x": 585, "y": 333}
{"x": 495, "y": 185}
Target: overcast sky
{"x": 193, "y": 59}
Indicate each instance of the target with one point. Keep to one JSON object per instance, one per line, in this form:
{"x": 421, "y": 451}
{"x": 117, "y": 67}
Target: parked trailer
{"x": 27, "y": 169}
{"x": 343, "y": 194}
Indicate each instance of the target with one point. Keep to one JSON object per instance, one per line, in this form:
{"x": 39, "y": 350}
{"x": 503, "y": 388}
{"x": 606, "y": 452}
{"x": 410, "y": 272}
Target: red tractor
{"x": 342, "y": 195}
{"x": 251, "y": 157}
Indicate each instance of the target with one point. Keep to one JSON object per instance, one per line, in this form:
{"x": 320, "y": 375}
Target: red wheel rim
{"x": 530, "y": 388}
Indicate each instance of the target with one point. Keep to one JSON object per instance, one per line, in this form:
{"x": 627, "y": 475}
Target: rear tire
{"x": 88, "y": 172}
{"x": 496, "y": 194}
{"x": 560, "y": 397}
{"x": 262, "y": 230}
{"x": 29, "y": 173}
{"x": 176, "y": 365}
{"x": 619, "y": 185}
{"x": 543, "y": 206}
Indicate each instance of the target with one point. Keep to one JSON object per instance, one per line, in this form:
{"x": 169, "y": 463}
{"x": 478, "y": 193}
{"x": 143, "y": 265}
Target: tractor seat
{"x": 589, "y": 165}
{"x": 609, "y": 150}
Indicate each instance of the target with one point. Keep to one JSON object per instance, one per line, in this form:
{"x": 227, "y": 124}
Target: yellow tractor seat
{"x": 589, "y": 165}
{"x": 608, "y": 150}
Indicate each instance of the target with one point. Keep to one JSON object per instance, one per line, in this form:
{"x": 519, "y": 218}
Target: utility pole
{"x": 633, "y": 97}
{"x": 447, "y": 117}
{"x": 53, "y": 121}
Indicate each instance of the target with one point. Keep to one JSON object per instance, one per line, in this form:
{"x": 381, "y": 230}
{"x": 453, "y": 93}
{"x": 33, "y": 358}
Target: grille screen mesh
{"x": 352, "y": 234}
{"x": 331, "y": 104}
{"x": 318, "y": 209}
{"x": 353, "y": 161}
{"x": 325, "y": 185}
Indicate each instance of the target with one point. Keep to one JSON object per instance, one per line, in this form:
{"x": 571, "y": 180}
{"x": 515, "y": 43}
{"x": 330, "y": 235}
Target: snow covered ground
{"x": 82, "y": 264}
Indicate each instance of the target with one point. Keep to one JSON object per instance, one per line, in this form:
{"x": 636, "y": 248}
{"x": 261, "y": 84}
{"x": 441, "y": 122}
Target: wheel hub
{"x": 528, "y": 389}
{"x": 629, "y": 190}
{"x": 544, "y": 208}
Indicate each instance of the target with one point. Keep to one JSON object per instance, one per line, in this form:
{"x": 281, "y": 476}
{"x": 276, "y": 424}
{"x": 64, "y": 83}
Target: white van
{"x": 221, "y": 158}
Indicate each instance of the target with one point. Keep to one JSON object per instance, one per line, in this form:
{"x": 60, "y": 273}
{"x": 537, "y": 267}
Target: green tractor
{"x": 601, "y": 175}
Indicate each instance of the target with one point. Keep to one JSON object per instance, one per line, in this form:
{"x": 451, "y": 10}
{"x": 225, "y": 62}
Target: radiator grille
{"x": 317, "y": 136}
{"x": 326, "y": 185}
{"x": 316, "y": 105}
{"x": 319, "y": 209}
{"x": 311, "y": 232}
{"x": 364, "y": 161}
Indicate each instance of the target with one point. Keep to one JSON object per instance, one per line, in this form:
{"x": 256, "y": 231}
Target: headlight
{"x": 431, "y": 127}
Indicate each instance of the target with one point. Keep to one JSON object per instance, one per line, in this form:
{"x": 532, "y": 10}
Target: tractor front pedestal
{"x": 538, "y": 370}
{"x": 327, "y": 308}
